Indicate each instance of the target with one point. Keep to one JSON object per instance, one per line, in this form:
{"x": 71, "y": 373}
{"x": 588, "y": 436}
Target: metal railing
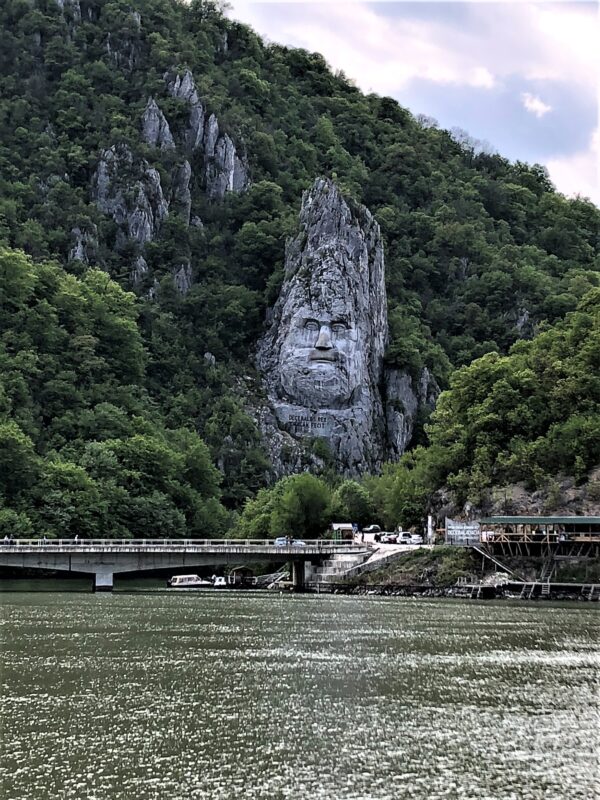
{"x": 241, "y": 545}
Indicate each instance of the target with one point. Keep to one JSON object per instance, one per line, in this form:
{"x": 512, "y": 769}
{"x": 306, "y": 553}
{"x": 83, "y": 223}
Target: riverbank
{"x": 511, "y": 591}
{"x": 462, "y": 573}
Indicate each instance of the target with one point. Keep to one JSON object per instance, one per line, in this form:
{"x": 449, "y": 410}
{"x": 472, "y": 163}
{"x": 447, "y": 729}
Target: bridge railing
{"x": 179, "y": 544}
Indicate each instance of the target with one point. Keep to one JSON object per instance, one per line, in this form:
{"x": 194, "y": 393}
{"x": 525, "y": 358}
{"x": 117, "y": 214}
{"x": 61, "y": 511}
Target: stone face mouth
{"x": 323, "y": 355}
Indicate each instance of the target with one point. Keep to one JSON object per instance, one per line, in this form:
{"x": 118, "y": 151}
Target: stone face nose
{"x": 324, "y": 340}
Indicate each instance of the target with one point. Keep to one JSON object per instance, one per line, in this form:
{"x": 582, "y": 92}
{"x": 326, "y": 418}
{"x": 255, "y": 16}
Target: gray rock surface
{"x": 223, "y": 170}
{"x": 84, "y": 245}
{"x": 322, "y": 356}
{"x": 403, "y": 398}
{"x": 181, "y": 194}
{"x": 155, "y": 128}
{"x": 130, "y": 193}
{"x": 74, "y": 5}
{"x": 184, "y": 88}
{"x": 139, "y": 270}
{"x": 122, "y": 51}
{"x": 182, "y": 278}
{"x": 211, "y": 134}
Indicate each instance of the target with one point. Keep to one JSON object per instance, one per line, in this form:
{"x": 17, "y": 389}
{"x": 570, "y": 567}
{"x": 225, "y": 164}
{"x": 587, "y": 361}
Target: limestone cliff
{"x": 130, "y": 192}
{"x": 155, "y": 128}
{"x": 223, "y": 169}
{"x": 403, "y": 398}
{"x": 128, "y": 188}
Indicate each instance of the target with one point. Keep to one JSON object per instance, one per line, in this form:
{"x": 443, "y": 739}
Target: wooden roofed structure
{"x": 529, "y": 535}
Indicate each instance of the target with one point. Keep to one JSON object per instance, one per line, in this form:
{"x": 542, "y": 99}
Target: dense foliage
{"x": 82, "y": 447}
{"x": 104, "y": 394}
{"x": 522, "y": 417}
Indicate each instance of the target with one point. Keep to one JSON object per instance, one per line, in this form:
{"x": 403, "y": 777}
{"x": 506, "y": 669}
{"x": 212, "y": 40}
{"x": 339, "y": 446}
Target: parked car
{"x": 389, "y": 538}
{"x": 406, "y": 537}
{"x": 287, "y": 541}
{"x": 372, "y": 529}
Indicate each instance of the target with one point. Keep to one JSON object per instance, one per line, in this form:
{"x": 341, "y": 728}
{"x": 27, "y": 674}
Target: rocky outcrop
{"x": 84, "y": 245}
{"x": 322, "y": 356}
{"x": 139, "y": 270}
{"x": 130, "y": 193}
{"x": 559, "y": 496}
{"x": 123, "y": 44}
{"x": 181, "y": 194}
{"x": 73, "y": 6}
{"x": 129, "y": 190}
{"x": 155, "y": 128}
{"x": 183, "y": 88}
{"x": 223, "y": 170}
{"x": 403, "y": 398}
{"x": 182, "y": 278}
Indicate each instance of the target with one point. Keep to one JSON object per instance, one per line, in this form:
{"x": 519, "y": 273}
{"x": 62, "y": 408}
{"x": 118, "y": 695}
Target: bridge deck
{"x": 310, "y": 547}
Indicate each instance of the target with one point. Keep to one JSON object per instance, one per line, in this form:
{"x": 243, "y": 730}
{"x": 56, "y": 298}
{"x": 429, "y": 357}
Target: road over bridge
{"x": 102, "y": 558}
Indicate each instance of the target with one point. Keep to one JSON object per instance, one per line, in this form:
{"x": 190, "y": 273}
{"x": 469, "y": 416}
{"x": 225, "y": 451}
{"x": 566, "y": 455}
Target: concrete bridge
{"x": 102, "y": 558}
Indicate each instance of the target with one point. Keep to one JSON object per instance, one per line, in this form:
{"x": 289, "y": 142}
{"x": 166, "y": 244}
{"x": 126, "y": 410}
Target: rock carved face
{"x": 321, "y": 361}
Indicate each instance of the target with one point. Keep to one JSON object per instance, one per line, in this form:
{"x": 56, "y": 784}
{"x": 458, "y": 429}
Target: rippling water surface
{"x": 221, "y": 696}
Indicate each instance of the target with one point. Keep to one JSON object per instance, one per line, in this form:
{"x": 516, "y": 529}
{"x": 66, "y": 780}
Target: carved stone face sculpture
{"x": 322, "y": 355}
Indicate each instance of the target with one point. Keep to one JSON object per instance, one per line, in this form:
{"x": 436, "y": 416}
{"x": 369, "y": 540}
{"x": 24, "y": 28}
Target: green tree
{"x": 302, "y": 509}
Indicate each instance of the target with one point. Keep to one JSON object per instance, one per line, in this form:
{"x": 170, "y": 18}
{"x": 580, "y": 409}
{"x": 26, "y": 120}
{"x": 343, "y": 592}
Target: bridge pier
{"x": 103, "y": 581}
{"x": 298, "y": 576}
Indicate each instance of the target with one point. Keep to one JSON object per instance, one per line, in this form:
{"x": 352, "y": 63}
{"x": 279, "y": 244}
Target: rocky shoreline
{"x": 454, "y": 592}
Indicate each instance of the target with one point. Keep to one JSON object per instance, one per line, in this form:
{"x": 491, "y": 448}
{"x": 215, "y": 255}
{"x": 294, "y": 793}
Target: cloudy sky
{"x": 523, "y": 76}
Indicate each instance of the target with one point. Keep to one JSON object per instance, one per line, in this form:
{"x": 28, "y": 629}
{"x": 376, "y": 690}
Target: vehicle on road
{"x": 372, "y": 529}
{"x": 389, "y": 538}
{"x": 287, "y": 541}
{"x": 406, "y": 537}
{"x": 220, "y": 582}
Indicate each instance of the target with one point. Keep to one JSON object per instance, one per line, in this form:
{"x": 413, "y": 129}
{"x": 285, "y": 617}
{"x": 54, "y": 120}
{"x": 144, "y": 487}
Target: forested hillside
{"x": 108, "y": 396}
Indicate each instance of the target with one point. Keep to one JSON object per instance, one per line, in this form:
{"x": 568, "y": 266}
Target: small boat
{"x": 189, "y": 582}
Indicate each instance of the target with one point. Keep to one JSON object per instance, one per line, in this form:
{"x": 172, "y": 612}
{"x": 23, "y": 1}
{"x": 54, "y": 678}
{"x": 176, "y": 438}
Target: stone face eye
{"x": 339, "y": 327}
{"x": 311, "y": 325}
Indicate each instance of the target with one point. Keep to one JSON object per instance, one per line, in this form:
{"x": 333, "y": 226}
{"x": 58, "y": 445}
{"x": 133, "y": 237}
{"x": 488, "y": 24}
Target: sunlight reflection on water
{"x": 223, "y": 696}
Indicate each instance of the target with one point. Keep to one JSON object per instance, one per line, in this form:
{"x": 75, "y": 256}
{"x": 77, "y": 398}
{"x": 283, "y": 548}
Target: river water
{"x": 153, "y": 696}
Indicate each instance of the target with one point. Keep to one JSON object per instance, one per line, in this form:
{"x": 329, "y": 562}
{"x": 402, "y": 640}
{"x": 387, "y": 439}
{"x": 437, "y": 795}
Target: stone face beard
{"x": 321, "y": 359}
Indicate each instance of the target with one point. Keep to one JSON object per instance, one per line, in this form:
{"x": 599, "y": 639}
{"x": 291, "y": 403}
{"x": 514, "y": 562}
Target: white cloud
{"x": 534, "y": 104}
{"x": 384, "y": 52}
{"x": 565, "y": 43}
{"x": 381, "y": 53}
{"x": 484, "y": 46}
{"x": 578, "y": 173}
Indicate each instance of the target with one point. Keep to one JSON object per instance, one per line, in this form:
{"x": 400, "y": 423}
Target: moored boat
{"x": 189, "y": 582}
